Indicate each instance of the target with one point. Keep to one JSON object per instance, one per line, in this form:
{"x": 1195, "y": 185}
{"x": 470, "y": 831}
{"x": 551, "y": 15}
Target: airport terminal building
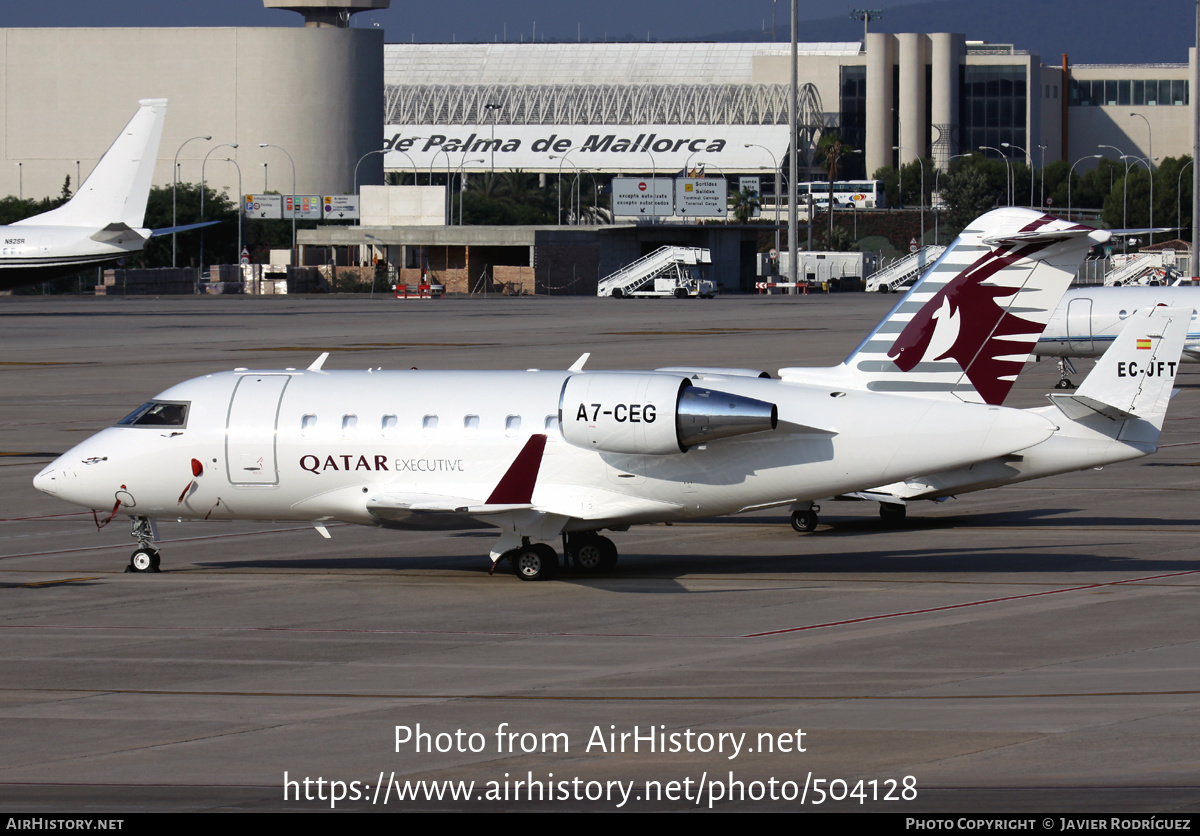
{"x": 327, "y": 95}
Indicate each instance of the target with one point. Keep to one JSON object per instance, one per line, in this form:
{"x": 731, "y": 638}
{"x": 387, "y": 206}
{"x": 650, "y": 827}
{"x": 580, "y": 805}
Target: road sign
{"x": 641, "y": 197}
{"x": 701, "y": 197}
{"x": 752, "y": 183}
{"x": 339, "y": 207}
{"x": 264, "y": 206}
{"x": 306, "y": 207}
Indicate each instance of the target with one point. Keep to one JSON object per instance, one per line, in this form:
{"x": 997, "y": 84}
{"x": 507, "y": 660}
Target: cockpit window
{"x": 157, "y": 414}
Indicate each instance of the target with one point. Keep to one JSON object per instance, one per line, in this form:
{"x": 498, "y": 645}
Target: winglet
{"x": 577, "y": 366}
{"x": 516, "y": 485}
{"x": 320, "y": 361}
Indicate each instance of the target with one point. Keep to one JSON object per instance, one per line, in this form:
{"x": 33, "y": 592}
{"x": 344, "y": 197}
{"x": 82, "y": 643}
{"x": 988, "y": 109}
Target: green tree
{"x": 744, "y": 203}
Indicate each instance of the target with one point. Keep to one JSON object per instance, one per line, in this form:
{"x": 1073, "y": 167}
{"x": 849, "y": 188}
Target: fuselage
{"x": 1089, "y": 318}
{"x": 31, "y": 253}
{"x": 318, "y": 445}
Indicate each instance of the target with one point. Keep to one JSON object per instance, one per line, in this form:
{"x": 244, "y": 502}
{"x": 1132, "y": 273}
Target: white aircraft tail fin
{"x": 968, "y": 325}
{"x": 1135, "y": 376}
{"x": 117, "y": 189}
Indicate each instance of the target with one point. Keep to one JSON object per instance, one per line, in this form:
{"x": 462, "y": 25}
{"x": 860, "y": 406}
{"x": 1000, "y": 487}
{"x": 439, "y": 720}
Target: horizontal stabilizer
{"x": 116, "y": 233}
{"x": 1078, "y": 406}
{"x": 1047, "y": 235}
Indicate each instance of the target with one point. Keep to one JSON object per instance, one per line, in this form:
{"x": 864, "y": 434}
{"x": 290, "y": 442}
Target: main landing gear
{"x": 1065, "y": 367}
{"x": 587, "y": 551}
{"x": 145, "y": 556}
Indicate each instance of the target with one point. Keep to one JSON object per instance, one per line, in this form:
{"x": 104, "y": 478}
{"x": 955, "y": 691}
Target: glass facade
{"x": 1125, "y": 92}
{"x": 852, "y": 119}
{"x": 992, "y": 106}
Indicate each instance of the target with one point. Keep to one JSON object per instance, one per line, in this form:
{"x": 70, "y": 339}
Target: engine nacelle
{"x": 655, "y": 414}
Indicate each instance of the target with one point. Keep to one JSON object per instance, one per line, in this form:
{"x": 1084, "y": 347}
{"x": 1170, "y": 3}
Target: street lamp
{"x": 558, "y": 185}
{"x": 203, "y": 164}
{"x": 1071, "y": 174}
{"x": 834, "y": 168}
{"x": 293, "y": 162}
{"x": 462, "y": 184}
{"x": 922, "y": 163}
{"x": 1150, "y": 166}
{"x": 241, "y": 207}
{"x": 1146, "y": 162}
{"x": 357, "y": 164}
{"x": 1042, "y": 178}
{"x": 1007, "y": 170}
{"x": 1179, "y": 201}
{"x": 446, "y": 201}
{"x": 775, "y": 164}
{"x": 174, "y": 184}
{"x": 1029, "y": 159}
{"x": 937, "y": 173}
{"x": 494, "y": 109}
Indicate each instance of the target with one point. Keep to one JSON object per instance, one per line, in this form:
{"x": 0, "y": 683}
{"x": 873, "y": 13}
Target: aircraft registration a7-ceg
{"x": 541, "y": 455}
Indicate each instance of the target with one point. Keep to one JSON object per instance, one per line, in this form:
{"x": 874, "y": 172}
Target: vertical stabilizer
{"x": 1135, "y": 376}
{"x": 118, "y": 187}
{"x": 967, "y": 327}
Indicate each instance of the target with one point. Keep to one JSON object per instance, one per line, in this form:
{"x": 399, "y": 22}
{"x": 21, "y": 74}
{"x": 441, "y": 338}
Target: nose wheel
{"x": 143, "y": 560}
{"x": 145, "y": 556}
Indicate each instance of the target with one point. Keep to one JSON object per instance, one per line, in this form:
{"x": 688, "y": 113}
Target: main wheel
{"x": 144, "y": 560}
{"x": 536, "y": 562}
{"x": 617, "y": 293}
{"x": 592, "y": 553}
{"x": 891, "y": 512}
{"x": 1064, "y": 384}
{"x": 804, "y": 521}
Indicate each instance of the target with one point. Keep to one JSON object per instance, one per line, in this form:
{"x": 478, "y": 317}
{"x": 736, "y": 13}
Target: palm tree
{"x": 744, "y": 203}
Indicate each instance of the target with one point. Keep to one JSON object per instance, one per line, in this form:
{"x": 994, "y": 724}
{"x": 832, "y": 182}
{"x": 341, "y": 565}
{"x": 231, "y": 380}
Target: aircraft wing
{"x": 168, "y": 230}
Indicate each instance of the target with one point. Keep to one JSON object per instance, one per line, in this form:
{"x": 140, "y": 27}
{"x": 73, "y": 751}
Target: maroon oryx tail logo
{"x": 964, "y": 322}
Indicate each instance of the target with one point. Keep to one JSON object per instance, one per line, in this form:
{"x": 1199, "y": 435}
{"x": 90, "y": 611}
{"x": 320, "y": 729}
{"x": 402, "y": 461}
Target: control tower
{"x": 327, "y": 13}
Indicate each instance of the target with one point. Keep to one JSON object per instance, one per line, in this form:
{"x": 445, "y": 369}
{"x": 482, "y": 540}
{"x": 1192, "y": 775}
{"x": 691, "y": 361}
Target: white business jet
{"x": 102, "y": 222}
{"x": 1089, "y": 319}
{"x": 541, "y": 455}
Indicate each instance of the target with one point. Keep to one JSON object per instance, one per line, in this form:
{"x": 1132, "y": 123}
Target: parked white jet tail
{"x": 967, "y": 327}
{"x": 117, "y": 189}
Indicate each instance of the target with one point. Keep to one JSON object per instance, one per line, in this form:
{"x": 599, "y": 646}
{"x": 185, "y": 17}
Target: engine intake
{"x": 656, "y": 414}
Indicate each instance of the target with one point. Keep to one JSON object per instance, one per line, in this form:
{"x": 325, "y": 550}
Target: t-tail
{"x": 967, "y": 327}
{"x": 1134, "y": 379}
{"x": 115, "y": 193}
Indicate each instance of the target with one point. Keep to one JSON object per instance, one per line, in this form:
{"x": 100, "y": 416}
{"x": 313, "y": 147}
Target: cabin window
{"x": 512, "y": 425}
{"x": 429, "y": 423}
{"x": 349, "y": 424}
{"x": 308, "y": 424}
{"x": 157, "y": 414}
{"x": 471, "y": 425}
{"x": 387, "y": 426}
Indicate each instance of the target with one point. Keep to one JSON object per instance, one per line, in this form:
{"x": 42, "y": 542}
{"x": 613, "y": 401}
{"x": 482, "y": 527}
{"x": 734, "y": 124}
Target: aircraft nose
{"x": 51, "y": 479}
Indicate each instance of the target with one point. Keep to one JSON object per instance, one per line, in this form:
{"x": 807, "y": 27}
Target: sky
{"x": 462, "y": 20}
{"x": 1047, "y": 28}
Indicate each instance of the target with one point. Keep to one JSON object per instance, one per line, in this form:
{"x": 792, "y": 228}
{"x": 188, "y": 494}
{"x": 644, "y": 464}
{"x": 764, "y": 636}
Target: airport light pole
{"x": 653, "y": 183}
{"x": 558, "y": 184}
{"x": 1146, "y": 162}
{"x": 1071, "y": 174}
{"x": 778, "y": 172}
{"x": 1042, "y": 177}
{"x": 922, "y": 164}
{"x": 1150, "y": 166}
{"x": 1007, "y": 170}
{"x": 1029, "y": 159}
{"x": 203, "y": 164}
{"x": 1179, "y": 200}
{"x": 356, "y": 165}
{"x": 446, "y": 201}
{"x": 462, "y": 184}
{"x": 793, "y": 160}
{"x": 174, "y": 185}
{"x": 494, "y": 110}
{"x": 241, "y": 207}
{"x": 937, "y": 173}
{"x": 293, "y": 162}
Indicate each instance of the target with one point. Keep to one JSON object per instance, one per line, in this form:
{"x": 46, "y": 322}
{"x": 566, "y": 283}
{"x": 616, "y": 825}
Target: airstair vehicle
{"x": 904, "y": 272}
{"x": 668, "y": 271}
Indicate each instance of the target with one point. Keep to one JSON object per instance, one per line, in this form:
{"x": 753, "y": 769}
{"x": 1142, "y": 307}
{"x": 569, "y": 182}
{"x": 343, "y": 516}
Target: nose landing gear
{"x": 145, "y": 556}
